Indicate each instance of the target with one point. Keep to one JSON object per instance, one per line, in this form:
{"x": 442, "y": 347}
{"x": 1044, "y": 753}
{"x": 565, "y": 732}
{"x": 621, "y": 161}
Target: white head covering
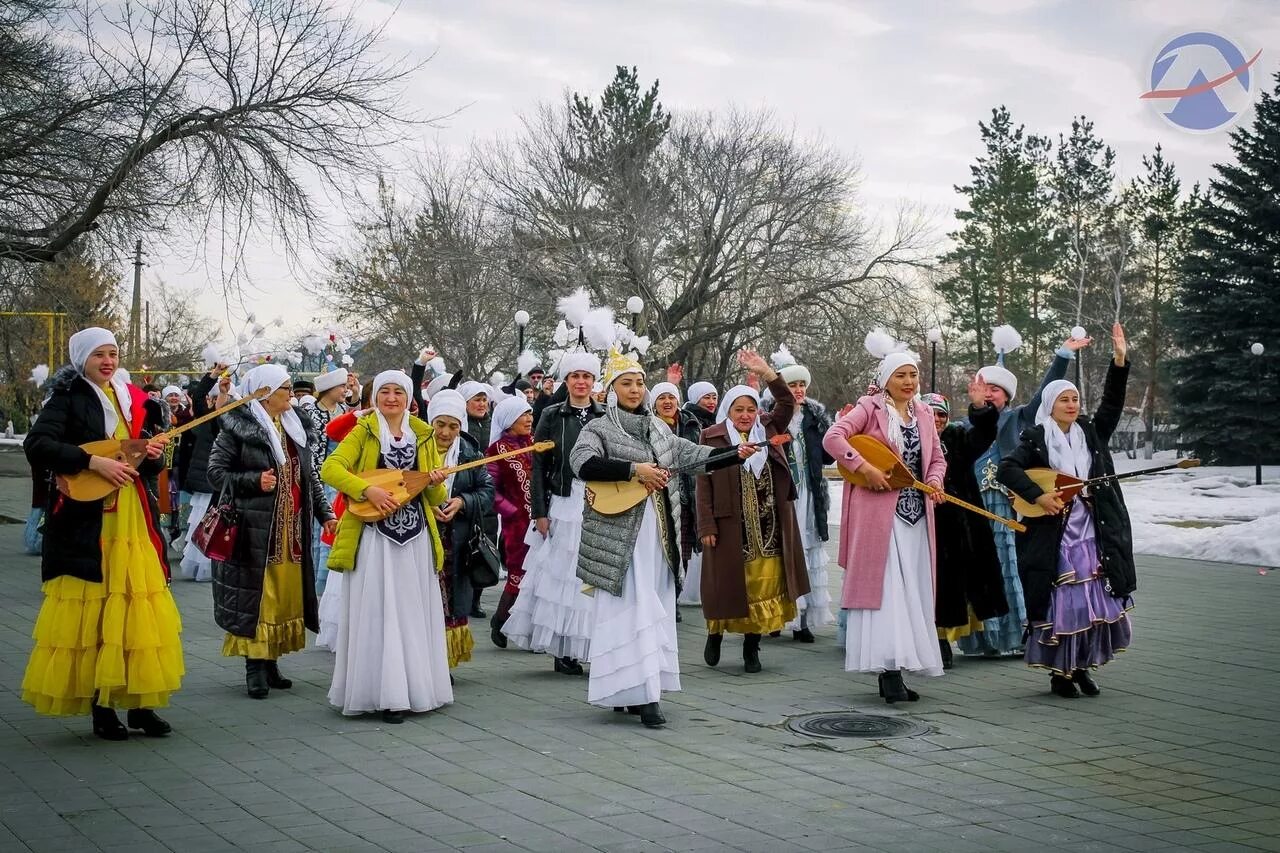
{"x": 436, "y": 385}
{"x": 306, "y": 400}
{"x": 506, "y": 412}
{"x": 794, "y": 372}
{"x": 390, "y": 377}
{"x": 449, "y": 403}
{"x": 332, "y": 379}
{"x": 471, "y": 388}
{"x": 755, "y": 436}
{"x": 80, "y": 346}
{"x": 892, "y": 362}
{"x": 271, "y": 377}
{"x": 171, "y": 389}
{"x": 1068, "y": 452}
{"x": 584, "y": 361}
{"x": 698, "y": 390}
{"x": 663, "y": 388}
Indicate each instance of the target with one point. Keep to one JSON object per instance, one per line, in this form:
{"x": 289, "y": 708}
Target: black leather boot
{"x": 146, "y": 720}
{"x": 751, "y": 652}
{"x": 274, "y": 679}
{"x": 893, "y": 689}
{"x": 1085, "y": 682}
{"x": 255, "y": 678}
{"x": 651, "y": 716}
{"x": 1062, "y": 686}
{"x": 107, "y": 725}
{"x": 711, "y": 652}
{"x": 569, "y": 666}
{"x": 948, "y": 660}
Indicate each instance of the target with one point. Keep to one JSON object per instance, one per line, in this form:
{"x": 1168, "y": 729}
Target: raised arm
{"x": 1112, "y": 406}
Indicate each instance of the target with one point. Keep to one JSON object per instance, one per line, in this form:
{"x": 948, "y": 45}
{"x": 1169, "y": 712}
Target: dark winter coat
{"x": 241, "y": 452}
{"x": 551, "y": 472}
{"x": 1038, "y": 547}
{"x": 200, "y": 439}
{"x": 475, "y": 487}
{"x": 73, "y": 529}
{"x": 814, "y": 424}
{"x": 692, "y": 420}
{"x": 720, "y": 511}
{"x": 968, "y": 565}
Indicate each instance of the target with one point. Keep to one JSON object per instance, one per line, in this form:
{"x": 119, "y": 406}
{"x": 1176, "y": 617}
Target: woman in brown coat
{"x": 753, "y": 565}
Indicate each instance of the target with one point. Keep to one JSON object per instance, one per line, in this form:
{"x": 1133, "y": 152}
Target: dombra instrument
{"x": 90, "y": 486}
{"x": 1055, "y": 481}
{"x": 616, "y": 497}
{"x": 404, "y": 486}
{"x": 880, "y": 456}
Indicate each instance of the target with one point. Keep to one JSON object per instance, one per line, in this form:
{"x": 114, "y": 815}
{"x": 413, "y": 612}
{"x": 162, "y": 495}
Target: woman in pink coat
{"x": 887, "y": 536}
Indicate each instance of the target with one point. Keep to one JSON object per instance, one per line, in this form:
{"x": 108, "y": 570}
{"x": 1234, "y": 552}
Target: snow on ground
{"x": 1208, "y": 513}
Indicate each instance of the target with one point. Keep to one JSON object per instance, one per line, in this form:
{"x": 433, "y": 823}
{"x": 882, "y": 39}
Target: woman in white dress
{"x": 391, "y": 637}
{"x": 630, "y": 559}
{"x": 887, "y": 535}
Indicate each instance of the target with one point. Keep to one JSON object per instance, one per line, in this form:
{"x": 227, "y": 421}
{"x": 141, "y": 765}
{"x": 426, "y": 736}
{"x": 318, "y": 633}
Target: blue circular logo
{"x": 1200, "y": 82}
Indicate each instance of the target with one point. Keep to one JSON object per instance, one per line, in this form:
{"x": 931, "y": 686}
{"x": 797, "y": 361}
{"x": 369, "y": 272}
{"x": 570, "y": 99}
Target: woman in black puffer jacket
{"x": 265, "y": 597}
{"x": 195, "y": 477}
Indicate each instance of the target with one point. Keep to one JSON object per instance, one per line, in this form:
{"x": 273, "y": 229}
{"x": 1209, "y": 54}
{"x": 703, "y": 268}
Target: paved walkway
{"x": 1181, "y": 751}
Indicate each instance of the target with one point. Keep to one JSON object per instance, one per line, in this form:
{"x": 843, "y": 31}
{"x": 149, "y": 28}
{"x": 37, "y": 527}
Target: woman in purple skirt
{"x": 1076, "y": 561}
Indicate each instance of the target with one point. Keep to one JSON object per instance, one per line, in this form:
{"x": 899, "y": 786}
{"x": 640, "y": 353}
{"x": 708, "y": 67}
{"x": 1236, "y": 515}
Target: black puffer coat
{"x": 968, "y": 565}
{"x": 692, "y": 419}
{"x": 241, "y": 452}
{"x": 814, "y": 423}
{"x": 196, "y": 476}
{"x": 73, "y": 529}
{"x": 475, "y": 487}
{"x": 1038, "y": 547}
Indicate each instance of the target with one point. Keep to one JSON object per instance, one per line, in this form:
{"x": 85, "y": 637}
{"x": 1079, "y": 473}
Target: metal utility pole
{"x": 135, "y": 311}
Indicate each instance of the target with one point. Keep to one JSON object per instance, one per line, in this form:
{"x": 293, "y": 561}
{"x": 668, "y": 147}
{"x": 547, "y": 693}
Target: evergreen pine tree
{"x": 1228, "y": 298}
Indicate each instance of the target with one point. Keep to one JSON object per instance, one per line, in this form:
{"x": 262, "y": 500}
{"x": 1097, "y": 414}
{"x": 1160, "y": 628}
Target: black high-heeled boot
{"x": 651, "y": 716}
{"x": 1085, "y": 682}
{"x": 948, "y": 660}
{"x": 107, "y": 725}
{"x": 146, "y": 720}
{"x": 274, "y": 679}
{"x": 892, "y": 689}
{"x": 255, "y": 678}
{"x": 751, "y": 652}
{"x": 1062, "y": 686}
{"x": 711, "y": 652}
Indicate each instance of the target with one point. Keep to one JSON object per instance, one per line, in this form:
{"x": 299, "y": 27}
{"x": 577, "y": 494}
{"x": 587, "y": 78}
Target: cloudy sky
{"x": 898, "y": 86}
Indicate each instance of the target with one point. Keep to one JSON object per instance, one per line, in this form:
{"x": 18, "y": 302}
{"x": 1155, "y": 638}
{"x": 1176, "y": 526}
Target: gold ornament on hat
{"x": 617, "y": 364}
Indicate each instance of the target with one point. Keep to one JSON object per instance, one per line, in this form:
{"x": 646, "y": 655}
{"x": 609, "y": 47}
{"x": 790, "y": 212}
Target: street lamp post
{"x": 522, "y": 320}
{"x": 1257, "y": 349}
{"x": 635, "y": 307}
{"x": 935, "y": 337}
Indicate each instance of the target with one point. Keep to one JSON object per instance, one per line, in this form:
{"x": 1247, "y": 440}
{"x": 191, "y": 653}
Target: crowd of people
{"x": 599, "y": 504}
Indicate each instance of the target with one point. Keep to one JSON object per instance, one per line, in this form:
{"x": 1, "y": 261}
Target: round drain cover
{"x": 849, "y": 724}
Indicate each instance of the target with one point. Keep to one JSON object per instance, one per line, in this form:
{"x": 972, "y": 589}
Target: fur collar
{"x": 63, "y": 379}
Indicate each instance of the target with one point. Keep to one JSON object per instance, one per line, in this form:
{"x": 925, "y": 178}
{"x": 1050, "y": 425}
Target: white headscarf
{"x": 449, "y": 403}
{"x": 755, "y": 436}
{"x": 170, "y": 389}
{"x": 665, "y": 388}
{"x": 80, "y": 346}
{"x": 390, "y": 377}
{"x": 698, "y": 390}
{"x": 1068, "y": 452}
{"x": 332, "y": 379}
{"x": 508, "y": 410}
{"x": 892, "y": 362}
{"x": 471, "y": 388}
{"x": 272, "y": 377}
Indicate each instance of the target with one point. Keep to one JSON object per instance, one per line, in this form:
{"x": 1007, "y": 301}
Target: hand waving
{"x": 1119, "y": 344}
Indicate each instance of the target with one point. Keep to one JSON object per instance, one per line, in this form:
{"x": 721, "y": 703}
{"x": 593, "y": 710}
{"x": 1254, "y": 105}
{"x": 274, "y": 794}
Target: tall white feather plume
{"x": 640, "y": 343}
{"x": 347, "y": 360}
{"x": 211, "y": 355}
{"x": 575, "y": 306}
{"x": 561, "y": 335}
{"x": 782, "y": 358}
{"x": 525, "y": 362}
{"x": 315, "y": 344}
{"x": 497, "y": 380}
{"x": 880, "y": 343}
{"x": 553, "y": 358}
{"x": 1005, "y": 338}
{"x": 598, "y": 328}
{"x": 622, "y": 335}
{"x": 295, "y": 358}
{"x": 40, "y": 374}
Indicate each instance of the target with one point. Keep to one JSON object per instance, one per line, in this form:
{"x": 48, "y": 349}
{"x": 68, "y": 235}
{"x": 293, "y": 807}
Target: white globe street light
{"x": 1257, "y": 349}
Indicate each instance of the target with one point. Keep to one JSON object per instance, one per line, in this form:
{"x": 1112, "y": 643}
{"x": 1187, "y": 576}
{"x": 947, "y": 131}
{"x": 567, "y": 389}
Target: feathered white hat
{"x": 788, "y": 368}
{"x": 1005, "y": 339}
{"x": 891, "y": 352}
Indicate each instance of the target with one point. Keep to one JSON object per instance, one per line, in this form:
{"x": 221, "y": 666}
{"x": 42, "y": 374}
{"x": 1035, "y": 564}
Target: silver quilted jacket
{"x": 608, "y": 541}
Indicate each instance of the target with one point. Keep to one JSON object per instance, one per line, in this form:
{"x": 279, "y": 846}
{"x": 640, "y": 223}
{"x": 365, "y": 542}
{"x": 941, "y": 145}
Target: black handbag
{"x": 483, "y": 561}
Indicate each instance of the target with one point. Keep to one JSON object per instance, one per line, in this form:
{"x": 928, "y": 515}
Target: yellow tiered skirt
{"x": 119, "y": 640}
{"x": 768, "y": 607}
{"x": 281, "y": 628}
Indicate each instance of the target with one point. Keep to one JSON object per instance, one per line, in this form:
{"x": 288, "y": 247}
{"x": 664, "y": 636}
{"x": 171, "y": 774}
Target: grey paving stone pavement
{"x": 1180, "y": 752}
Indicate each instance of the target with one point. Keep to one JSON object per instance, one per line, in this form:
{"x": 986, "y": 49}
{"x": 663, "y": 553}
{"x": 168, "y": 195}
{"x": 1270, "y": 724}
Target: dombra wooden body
{"x": 884, "y": 459}
{"x": 404, "y": 486}
{"x": 1051, "y": 480}
{"x": 616, "y": 497}
{"x": 90, "y": 486}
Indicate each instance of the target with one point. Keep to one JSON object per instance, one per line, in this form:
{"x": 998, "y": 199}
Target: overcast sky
{"x": 898, "y": 86}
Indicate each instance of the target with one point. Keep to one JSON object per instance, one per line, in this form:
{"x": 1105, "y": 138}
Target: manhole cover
{"x": 848, "y": 724}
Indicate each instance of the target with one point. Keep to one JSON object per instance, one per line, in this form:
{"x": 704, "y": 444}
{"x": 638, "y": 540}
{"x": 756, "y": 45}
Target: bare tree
{"x": 140, "y": 108}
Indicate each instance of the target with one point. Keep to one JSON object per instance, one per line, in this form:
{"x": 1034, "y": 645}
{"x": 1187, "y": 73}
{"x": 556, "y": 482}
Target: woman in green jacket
{"x": 391, "y": 641}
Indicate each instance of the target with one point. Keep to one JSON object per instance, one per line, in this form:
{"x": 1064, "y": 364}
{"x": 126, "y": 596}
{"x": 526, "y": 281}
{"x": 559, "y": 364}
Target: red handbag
{"x": 215, "y": 535}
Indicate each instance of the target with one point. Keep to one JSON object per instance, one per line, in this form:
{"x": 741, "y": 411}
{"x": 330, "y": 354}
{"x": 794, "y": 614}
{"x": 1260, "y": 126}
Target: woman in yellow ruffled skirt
{"x": 108, "y": 633}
